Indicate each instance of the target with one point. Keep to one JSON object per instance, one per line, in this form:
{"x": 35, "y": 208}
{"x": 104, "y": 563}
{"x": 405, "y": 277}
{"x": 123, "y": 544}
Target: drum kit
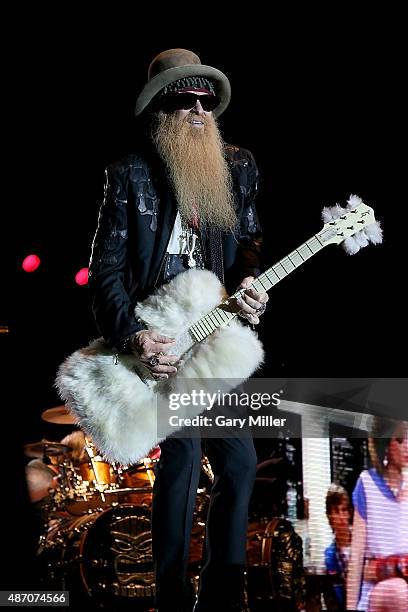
{"x": 96, "y": 536}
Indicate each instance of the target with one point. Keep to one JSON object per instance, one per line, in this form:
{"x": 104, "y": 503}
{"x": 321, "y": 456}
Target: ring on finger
{"x": 261, "y": 309}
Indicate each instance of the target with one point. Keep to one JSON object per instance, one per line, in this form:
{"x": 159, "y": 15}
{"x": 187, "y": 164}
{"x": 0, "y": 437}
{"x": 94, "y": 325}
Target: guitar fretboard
{"x": 219, "y": 316}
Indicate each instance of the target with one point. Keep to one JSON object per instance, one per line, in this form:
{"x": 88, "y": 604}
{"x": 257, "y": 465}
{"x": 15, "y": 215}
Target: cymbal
{"x": 45, "y": 447}
{"x": 59, "y": 415}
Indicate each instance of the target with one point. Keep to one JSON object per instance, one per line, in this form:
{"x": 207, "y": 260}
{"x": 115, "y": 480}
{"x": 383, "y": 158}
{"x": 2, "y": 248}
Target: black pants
{"x": 233, "y": 462}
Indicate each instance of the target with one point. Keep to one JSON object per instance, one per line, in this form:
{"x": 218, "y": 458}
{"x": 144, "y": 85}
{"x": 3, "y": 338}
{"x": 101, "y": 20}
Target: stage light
{"x": 31, "y": 263}
{"x": 81, "y": 277}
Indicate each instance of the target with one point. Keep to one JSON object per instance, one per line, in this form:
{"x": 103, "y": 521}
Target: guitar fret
{"x": 279, "y": 271}
{"x": 305, "y": 251}
{"x": 213, "y": 324}
{"x": 314, "y": 245}
{"x": 222, "y": 314}
{"x": 206, "y": 326}
{"x": 195, "y": 332}
{"x": 205, "y": 331}
{"x": 209, "y": 324}
{"x": 202, "y": 329}
{"x": 207, "y": 318}
{"x": 296, "y": 258}
{"x": 258, "y": 282}
{"x": 287, "y": 265}
{"x": 218, "y": 316}
{"x": 272, "y": 281}
{"x": 268, "y": 282}
{"x": 214, "y": 321}
{"x": 226, "y": 317}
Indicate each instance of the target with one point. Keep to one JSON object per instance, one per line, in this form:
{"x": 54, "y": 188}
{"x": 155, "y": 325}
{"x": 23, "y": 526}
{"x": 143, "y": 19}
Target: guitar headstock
{"x": 354, "y": 226}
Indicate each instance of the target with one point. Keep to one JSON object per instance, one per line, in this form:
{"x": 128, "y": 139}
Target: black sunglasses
{"x": 186, "y": 101}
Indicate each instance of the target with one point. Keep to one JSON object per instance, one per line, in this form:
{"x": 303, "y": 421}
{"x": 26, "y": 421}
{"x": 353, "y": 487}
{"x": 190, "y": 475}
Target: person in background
{"x": 336, "y": 556}
{"x": 40, "y": 479}
{"x": 378, "y": 567}
{"x": 76, "y": 440}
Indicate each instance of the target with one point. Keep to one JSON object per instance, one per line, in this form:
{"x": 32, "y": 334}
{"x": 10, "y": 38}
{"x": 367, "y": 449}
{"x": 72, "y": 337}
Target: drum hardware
{"x": 207, "y": 469}
{"x": 136, "y": 482}
{"x": 83, "y": 483}
{"x": 274, "y": 570}
{"x": 99, "y": 486}
{"x": 148, "y": 463}
{"x": 45, "y": 449}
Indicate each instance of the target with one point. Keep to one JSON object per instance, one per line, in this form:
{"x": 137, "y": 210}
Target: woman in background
{"x": 377, "y": 579}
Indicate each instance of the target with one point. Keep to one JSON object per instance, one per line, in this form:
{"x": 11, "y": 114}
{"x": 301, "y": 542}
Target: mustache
{"x": 193, "y": 116}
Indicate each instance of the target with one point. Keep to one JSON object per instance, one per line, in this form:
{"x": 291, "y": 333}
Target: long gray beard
{"x": 197, "y": 168}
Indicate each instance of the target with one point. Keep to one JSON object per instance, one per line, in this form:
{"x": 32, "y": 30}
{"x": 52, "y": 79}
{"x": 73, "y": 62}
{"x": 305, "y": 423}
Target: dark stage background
{"x": 322, "y": 111}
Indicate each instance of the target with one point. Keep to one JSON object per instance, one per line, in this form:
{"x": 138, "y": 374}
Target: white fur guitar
{"x": 113, "y": 397}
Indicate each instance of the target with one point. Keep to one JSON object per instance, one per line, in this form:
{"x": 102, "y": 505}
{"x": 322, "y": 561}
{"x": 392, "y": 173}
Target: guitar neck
{"x": 285, "y": 266}
{"x": 220, "y": 315}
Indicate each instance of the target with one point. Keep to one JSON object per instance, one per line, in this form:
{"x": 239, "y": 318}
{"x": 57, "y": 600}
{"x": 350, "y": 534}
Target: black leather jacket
{"x": 135, "y": 222}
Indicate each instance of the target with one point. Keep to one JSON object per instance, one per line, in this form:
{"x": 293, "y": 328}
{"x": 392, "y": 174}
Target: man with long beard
{"x": 185, "y": 199}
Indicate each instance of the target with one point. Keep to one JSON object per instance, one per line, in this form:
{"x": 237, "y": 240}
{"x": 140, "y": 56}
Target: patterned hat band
{"x": 193, "y": 82}
{"x": 181, "y": 68}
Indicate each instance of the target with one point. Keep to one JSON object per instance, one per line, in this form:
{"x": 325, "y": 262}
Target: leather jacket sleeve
{"x": 250, "y": 231}
{"x": 111, "y": 305}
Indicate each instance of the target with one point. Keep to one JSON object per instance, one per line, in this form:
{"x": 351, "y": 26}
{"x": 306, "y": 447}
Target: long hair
{"x": 381, "y": 434}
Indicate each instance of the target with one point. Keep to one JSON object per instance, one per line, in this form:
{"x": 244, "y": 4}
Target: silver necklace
{"x": 190, "y": 238}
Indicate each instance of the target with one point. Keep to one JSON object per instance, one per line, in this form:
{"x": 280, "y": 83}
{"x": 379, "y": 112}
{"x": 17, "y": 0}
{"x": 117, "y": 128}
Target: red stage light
{"x": 31, "y": 263}
{"x": 81, "y": 277}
